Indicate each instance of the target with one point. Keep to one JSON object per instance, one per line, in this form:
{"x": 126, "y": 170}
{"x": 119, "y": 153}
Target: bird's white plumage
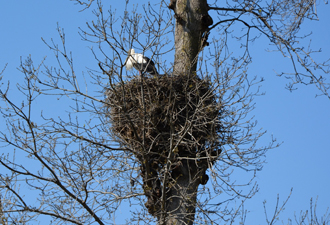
{"x": 134, "y": 58}
{"x": 140, "y": 62}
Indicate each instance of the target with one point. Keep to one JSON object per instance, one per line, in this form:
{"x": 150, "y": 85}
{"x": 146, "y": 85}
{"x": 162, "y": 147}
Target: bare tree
{"x": 306, "y": 217}
{"x": 170, "y": 143}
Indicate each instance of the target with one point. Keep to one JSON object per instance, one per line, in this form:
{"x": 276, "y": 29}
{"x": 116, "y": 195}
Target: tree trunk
{"x": 181, "y": 200}
{"x": 192, "y": 21}
{"x": 191, "y": 28}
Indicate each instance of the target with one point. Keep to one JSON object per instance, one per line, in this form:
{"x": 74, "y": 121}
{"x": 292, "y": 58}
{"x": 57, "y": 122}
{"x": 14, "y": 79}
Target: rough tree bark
{"x": 181, "y": 205}
{"x": 191, "y": 29}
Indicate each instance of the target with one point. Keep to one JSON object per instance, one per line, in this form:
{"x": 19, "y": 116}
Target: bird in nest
{"x": 141, "y": 63}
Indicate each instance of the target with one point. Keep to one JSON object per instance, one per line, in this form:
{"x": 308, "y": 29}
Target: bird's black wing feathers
{"x": 149, "y": 66}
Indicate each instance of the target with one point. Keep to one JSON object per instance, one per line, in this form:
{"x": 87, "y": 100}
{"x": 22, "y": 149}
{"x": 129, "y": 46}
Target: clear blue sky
{"x": 298, "y": 119}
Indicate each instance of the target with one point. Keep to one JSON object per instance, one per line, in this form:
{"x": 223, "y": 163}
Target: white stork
{"x": 140, "y": 62}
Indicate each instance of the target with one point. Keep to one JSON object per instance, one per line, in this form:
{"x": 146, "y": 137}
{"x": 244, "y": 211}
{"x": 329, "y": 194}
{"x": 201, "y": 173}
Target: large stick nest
{"x": 164, "y": 119}
{"x": 153, "y": 116}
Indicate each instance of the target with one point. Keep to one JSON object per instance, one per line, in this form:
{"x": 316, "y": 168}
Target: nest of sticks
{"x": 165, "y": 117}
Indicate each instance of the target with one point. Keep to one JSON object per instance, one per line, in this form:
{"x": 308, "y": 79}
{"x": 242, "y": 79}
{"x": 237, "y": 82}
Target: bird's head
{"x": 131, "y": 52}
